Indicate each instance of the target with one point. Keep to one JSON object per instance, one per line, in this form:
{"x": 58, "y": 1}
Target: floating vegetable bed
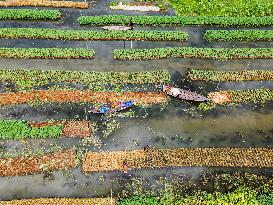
{"x": 239, "y": 35}
{"x": 86, "y": 96}
{"x": 13, "y": 166}
{"x": 144, "y": 20}
{"x": 188, "y": 52}
{"x": 61, "y": 201}
{"x": 47, "y": 53}
{"x": 44, "y": 3}
{"x": 36, "y": 33}
{"x": 179, "y": 157}
{"x": 244, "y": 75}
{"x": 29, "y": 78}
{"x": 241, "y": 96}
{"x": 20, "y": 129}
{"x": 29, "y": 14}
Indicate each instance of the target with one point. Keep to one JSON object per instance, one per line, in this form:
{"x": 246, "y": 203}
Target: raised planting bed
{"x": 86, "y": 96}
{"x": 29, "y": 78}
{"x": 179, "y": 157}
{"x": 175, "y": 21}
{"x": 13, "y": 166}
{"x": 244, "y": 75}
{"x": 61, "y": 201}
{"x": 45, "y": 3}
{"x": 189, "y": 52}
{"x": 239, "y": 35}
{"x": 51, "y": 53}
{"x": 20, "y": 129}
{"x": 36, "y": 33}
{"x": 135, "y": 7}
{"x": 241, "y": 96}
{"x": 29, "y": 14}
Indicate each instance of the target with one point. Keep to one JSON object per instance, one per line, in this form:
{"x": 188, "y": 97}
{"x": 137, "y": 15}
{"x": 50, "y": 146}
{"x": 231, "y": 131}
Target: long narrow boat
{"x": 112, "y": 107}
{"x": 116, "y": 28}
{"x": 183, "y": 94}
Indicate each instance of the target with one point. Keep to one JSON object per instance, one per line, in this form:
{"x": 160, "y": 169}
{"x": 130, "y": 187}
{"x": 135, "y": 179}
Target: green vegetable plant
{"x": 46, "y": 53}
{"x": 37, "y": 33}
{"x": 190, "y": 52}
{"x": 29, "y": 14}
{"x": 176, "y": 21}
{"x": 239, "y": 35}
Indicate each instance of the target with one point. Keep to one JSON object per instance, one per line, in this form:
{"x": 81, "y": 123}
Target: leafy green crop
{"x": 29, "y": 78}
{"x": 238, "y": 8}
{"x": 189, "y": 52}
{"x": 29, "y": 14}
{"x": 19, "y": 129}
{"x": 139, "y": 200}
{"x": 244, "y": 75}
{"x": 239, "y": 35}
{"x": 36, "y": 33}
{"x": 46, "y": 53}
{"x": 175, "y": 20}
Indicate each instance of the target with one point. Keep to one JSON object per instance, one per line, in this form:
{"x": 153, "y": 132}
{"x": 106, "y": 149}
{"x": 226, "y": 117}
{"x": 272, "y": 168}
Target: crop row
{"x": 178, "y": 157}
{"x": 61, "y": 201}
{"x": 175, "y": 21}
{"x": 36, "y": 33}
{"x": 242, "y": 96}
{"x": 65, "y": 159}
{"x": 238, "y": 35}
{"x": 20, "y": 129}
{"x": 30, "y": 78}
{"x": 244, "y": 75}
{"x": 188, "y": 52}
{"x": 37, "y": 97}
{"x": 45, "y": 3}
{"x": 47, "y": 53}
{"x": 29, "y": 14}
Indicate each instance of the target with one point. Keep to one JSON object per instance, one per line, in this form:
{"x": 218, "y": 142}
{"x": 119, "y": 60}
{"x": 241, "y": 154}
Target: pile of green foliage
{"x": 29, "y": 14}
{"x": 36, "y": 33}
{"x": 239, "y": 35}
{"x": 46, "y": 53}
{"x": 244, "y": 75}
{"x": 236, "y": 8}
{"x": 190, "y": 52}
{"x": 175, "y": 20}
{"x": 19, "y": 129}
{"x": 25, "y": 79}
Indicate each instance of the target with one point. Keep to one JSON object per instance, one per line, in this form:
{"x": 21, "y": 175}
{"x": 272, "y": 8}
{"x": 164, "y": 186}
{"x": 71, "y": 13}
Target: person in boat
{"x": 131, "y": 25}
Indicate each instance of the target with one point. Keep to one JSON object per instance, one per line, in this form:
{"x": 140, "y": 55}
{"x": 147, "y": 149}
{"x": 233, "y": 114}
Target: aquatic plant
{"x": 91, "y": 35}
{"x": 239, "y": 35}
{"x": 190, "y": 52}
{"x": 29, "y": 14}
{"x": 46, "y": 53}
{"x": 244, "y": 75}
{"x": 99, "y": 20}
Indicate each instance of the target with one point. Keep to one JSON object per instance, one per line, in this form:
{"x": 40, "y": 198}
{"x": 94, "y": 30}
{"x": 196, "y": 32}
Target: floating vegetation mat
{"x": 92, "y": 35}
{"x": 241, "y": 96}
{"x": 239, "y": 35}
{"x": 37, "y": 97}
{"x": 29, "y": 14}
{"x": 179, "y": 157}
{"x": 244, "y": 75}
{"x": 20, "y": 129}
{"x": 61, "y": 201}
{"x": 13, "y": 166}
{"x": 29, "y": 78}
{"x": 191, "y": 52}
{"x": 44, "y": 3}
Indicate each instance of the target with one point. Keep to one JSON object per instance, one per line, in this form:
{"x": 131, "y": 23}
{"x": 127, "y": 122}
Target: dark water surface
{"x": 178, "y": 124}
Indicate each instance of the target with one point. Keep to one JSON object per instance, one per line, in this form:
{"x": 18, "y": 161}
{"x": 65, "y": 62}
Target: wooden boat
{"x": 116, "y": 28}
{"x": 183, "y": 94}
{"x": 112, "y": 107}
